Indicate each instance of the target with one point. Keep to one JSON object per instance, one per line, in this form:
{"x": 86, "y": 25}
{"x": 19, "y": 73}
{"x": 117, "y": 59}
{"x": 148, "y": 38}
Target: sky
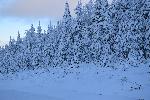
{"x": 18, "y": 15}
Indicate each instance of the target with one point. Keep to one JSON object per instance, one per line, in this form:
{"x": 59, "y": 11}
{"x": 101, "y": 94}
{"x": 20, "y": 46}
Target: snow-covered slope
{"x": 88, "y": 82}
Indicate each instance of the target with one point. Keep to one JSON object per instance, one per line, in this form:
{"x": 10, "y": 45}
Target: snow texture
{"x": 101, "y": 53}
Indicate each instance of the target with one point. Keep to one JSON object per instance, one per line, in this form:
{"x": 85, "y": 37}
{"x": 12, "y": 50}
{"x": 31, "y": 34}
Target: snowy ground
{"x": 88, "y": 83}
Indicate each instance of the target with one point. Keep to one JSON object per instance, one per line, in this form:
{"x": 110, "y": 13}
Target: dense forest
{"x": 100, "y": 33}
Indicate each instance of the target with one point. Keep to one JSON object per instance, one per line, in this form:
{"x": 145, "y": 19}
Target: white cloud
{"x": 37, "y": 8}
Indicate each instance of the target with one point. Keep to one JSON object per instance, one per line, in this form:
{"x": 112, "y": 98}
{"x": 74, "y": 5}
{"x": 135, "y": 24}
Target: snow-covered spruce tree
{"x": 19, "y": 52}
{"x": 77, "y": 35}
{"x": 37, "y": 50}
{"x": 144, "y": 28}
{"x": 30, "y": 43}
{"x": 49, "y": 47}
{"x": 114, "y": 37}
{"x": 39, "y": 29}
{"x": 127, "y": 18}
{"x": 2, "y": 54}
{"x": 79, "y": 17}
{"x": 9, "y": 61}
{"x": 89, "y": 11}
{"x": 67, "y": 22}
{"x": 5, "y": 60}
{"x": 66, "y": 52}
{"x": 50, "y": 28}
{"x": 100, "y": 9}
{"x": 115, "y": 19}
{"x": 98, "y": 32}
{"x": 58, "y": 31}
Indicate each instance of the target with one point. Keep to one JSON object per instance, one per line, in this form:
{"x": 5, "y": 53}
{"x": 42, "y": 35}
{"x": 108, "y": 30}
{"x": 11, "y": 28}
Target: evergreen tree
{"x": 39, "y": 29}
{"x": 100, "y": 33}
{"x": 50, "y": 28}
{"x": 79, "y": 17}
{"x": 89, "y": 10}
{"x": 66, "y": 33}
{"x": 67, "y": 20}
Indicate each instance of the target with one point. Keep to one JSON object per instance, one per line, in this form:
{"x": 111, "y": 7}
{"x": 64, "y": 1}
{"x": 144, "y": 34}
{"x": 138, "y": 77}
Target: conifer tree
{"x": 79, "y": 17}
{"x": 39, "y": 29}
{"x": 90, "y": 9}
{"x": 67, "y": 19}
{"x": 66, "y": 33}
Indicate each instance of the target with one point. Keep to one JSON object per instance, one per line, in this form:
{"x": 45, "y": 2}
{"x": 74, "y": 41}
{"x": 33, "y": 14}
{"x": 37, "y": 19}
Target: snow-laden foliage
{"x": 100, "y": 33}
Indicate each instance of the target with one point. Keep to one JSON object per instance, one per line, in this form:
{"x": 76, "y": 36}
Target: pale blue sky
{"x": 20, "y": 14}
